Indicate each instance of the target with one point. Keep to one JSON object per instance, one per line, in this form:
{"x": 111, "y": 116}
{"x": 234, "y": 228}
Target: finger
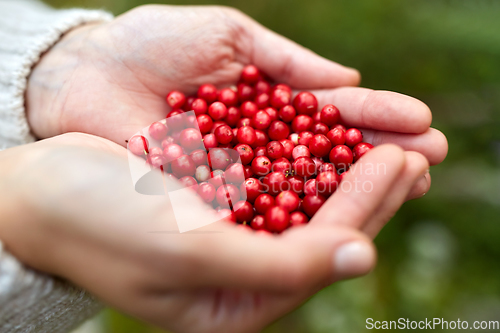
{"x": 414, "y": 170}
{"x": 363, "y": 188}
{"x": 290, "y": 63}
{"x": 380, "y": 110}
{"x": 421, "y": 187}
{"x": 432, "y": 143}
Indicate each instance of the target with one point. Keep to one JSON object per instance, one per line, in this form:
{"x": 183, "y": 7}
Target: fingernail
{"x": 353, "y": 259}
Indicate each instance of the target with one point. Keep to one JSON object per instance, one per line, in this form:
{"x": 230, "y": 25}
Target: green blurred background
{"x": 440, "y": 256}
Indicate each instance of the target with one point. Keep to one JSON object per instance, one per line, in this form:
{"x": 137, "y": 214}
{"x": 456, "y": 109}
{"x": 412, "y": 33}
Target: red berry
{"x": 287, "y": 113}
{"x": 296, "y": 184}
{"x": 247, "y": 169}
{"x": 235, "y": 174}
{"x": 277, "y": 219}
{"x": 202, "y": 173}
{"x": 189, "y": 103}
{"x": 176, "y": 99}
{"x": 318, "y": 162}
{"x": 261, "y": 139}
{"x": 360, "y": 149}
{"x": 258, "y": 223}
{"x": 244, "y": 122}
{"x": 190, "y": 139}
{"x": 209, "y": 141}
{"x": 320, "y": 146}
{"x": 223, "y": 134}
{"x": 288, "y": 146}
{"x": 276, "y": 182}
{"x": 263, "y": 203}
{"x": 245, "y": 152}
{"x": 311, "y": 187}
{"x": 156, "y": 161}
{"x": 208, "y": 92}
{"x": 262, "y": 100}
{"x": 138, "y": 145}
{"x": 298, "y": 218}
{"x": 190, "y": 182}
{"x": 167, "y": 141}
{"x": 245, "y": 92}
{"x": 207, "y": 192}
{"x": 227, "y": 195}
{"x": 217, "y": 177}
{"x": 312, "y": 203}
{"x": 262, "y": 87}
{"x": 305, "y": 138}
{"x": 251, "y": 189}
{"x": 243, "y": 211}
{"x": 228, "y": 96}
{"x": 327, "y": 182}
{"x": 274, "y": 150}
{"x": 261, "y": 165}
{"x": 155, "y": 151}
{"x": 246, "y": 134}
{"x": 158, "y": 130}
{"x": 278, "y": 130}
{"x": 302, "y": 123}
{"x": 300, "y": 151}
{"x": 248, "y": 109}
{"x": 250, "y": 74}
{"x": 282, "y": 165}
{"x": 199, "y": 157}
{"x": 330, "y": 115}
{"x": 341, "y": 157}
{"x": 336, "y": 136}
{"x": 280, "y": 98}
{"x": 320, "y": 128}
{"x": 191, "y": 122}
{"x": 353, "y": 136}
{"x": 217, "y": 110}
{"x": 288, "y": 200}
{"x": 304, "y": 167}
{"x": 176, "y": 120}
{"x": 327, "y": 167}
{"x": 283, "y": 86}
{"x": 272, "y": 113}
{"x": 199, "y": 106}
{"x": 205, "y": 123}
{"x": 260, "y": 151}
{"x": 172, "y": 152}
{"x": 305, "y": 103}
{"x": 317, "y": 117}
{"x": 233, "y": 116}
{"x": 218, "y": 158}
{"x": 339, "y": 126}
{"x": 183, "y": 166}
{"x": 261, "y": 120}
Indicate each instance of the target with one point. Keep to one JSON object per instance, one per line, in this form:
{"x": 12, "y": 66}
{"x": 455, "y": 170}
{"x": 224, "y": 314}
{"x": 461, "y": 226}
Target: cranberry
{"x": 233, "y": 116}
{"x": 262, "y": 87}
{"x": 278, "y": 130}
{"x": 360, "y": 149}
{"x": 282, "y": 165}
{"x": 261, "y": 120}
{"x": 218, "y": 158}
{"x": 158, "y": 130}
{"x": 191, "y": 122}
{"x": 311, "y": 187}
{"x": 243, "y": 211}
{"x": 336, "y": 136}
{"x": 227, "y": 195}
{"x": 263, "y": 203}
{"x": 305, "y": 103}
{"x": 167, "y": 141}
{"x": 272, "y": 113}
{"x": 156, "y": 161}
{"x": 258, "y": 223}
{"x": 205, "y": 123}
{"x": 244, "y": 122}
{"x": 276, "y": 182}
{"x": 176, "y": 99}
{"x": 294, "y": 137}
{"x": 327, "y": 182}
{"x": 274, "y": 150}
{"x": 327, "y": 167}
{"x": 155, "y": 151}
{"x": 138, "y": 145}
{"x": 190, "y": 182}
{"x": 305, "y": 138}
{"x": 247, "y": 169}
{"x": 261, "y": 139}
{"x": 245, "y": 92}
{"x": 353, "y": 136}
{"x": 298, "y": 218}
{"x": 300, "y": 151}
{"x": 176, "y": 120}
{"x": 248, "y": 109}
{"x": 183, "y": 166}
{"x": 190, "y": 138}
{"x": 312, "y": 203}
{"x": 172, "y": 152}
{"x": 188, "y": 106}
{"x": 245, "y": 152}
{"x": 217, "y": 110}
{"x": 226, "y": 214}
{"x": 210, "y": 141}
{"x": 260, "y": 151}
{"x": 261, "y": 165}
{"x": 199, "y": 157}
{"x": 280, "y": 98}
{"x": 223, "y": 134}
{"x": 283, "y": 86}
{"x": 320, "y": 128}
{"x": 262, "y": 100}
{"x": 341, "y": 157}
{"x": 296, "y": 184}
{"x": 228, "y": 97}
{"x": 320, "y": 146}
{"x": 318, "y": 162}
{"x": 250, "y": 74}
{"x": 206, "y": 191}
{"x": 340, "y": 126}
{"x": 277, "y": 219}
{"x": 246, "y": 134}
{"x": 302, "y": 123}
{"x": 251, "y": 189}
{"x": 199, "y": 106}
{"x": 317, "y": 117}
{"x": 202, "y": 173}
{"x": 304, "y": 167}
{"x": 288, "y": 200}
{"x": 287, "y": 113}
{"x": 330, "y": 115}
{"x": 208, "y": 92}
{"x": 287, "y": 148}
{"x": 217, "y": 178}
{"x": 234, "y": 173}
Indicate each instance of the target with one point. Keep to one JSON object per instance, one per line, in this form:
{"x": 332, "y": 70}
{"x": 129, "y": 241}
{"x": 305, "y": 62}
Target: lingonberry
{"x": 263, "y": 203}
{"x": 261, "y": 165}
{"x": 223, "y": 134}
{"x": 167, "y": 141}
{"x": 205, "y": 123}
{"x": 155, "y": 151}
{"x": 217, "y": 110}
{"x": 199, "y": 106}
{"x": 360, "y": 149}
{"x": 336, "y": 136}
{"x": 262, "y": 87}
{"x": 277, "y": 219}
{"x": 305, "y": 138}
{"x": 304, "y": 167}
{"x": 218, "y": 158}
{"x": 176, "y": 120}
{"x": 246, "y": 134}
{"x": 282, "y": 165}
{"x": 202, "y": 173}
{"x": 228, "y": 96}
{"x": 287, "y": 113}
{"x": 189, "y": 103}
{"x": 258, "y": 223}
{"x": 245, "y": 92}
{"x": 244, "y": 122}
{"x": 260, "y": 151}
{"x": 288, "y": 146}
{"x": 245, "y": 152}
{"x": 191, "y": 122}
{"x": 176, "y": 99}
{"x": 339, "y": 126}
{"x": 234, "y": 173}
{"x": 158, "y": 130}
{"x": 227, "y": 195}
{"x": 302, "y": 123}
{"x": 156, "y": 161}
{"x": 320, "y": 146}
{"x": 199, "y": 157}
{"x": 210, "y": 141}
{"x": 206, "y": 191}
{"x": 280, "y": 98}
{"x": 190, "y": 139}
{"x": 250, "y": 74}
{"x": 274, "y": 150}
{"x": 317, "y": 117}
{"x": 251, "y": 189}
{"x": 243, "y": 211}
{"x": 327, "y": 182}
{"x": 278, "y": 130}
{"x": 272, "y": 112}
{"x": 298, "y": 218}
{"x": 312, "y": 203}
{"x": 261, "y": 139}
{"x": 248, "y": 109}
{"x": 172, "y": 152}
{"x": 294, "y": 137}
{"x": 320, "y": 128}
{"x": 330, "y": 115}
{"x": 318, "y": 162}
{"x": 183, "y": 166}
{"x": 261, "y": 120}
{"x": 327, "y": 167}
{"x": 233, "y": 116}
{"x": 247, "y": 169}
{"x": 217, "y": 178}
{"x": 217, "y": 124}
{"x": 310, "y": 187}
{"x": 276, "y": 182}
{"x": 288, "y": 200}
{"x": 305, "y": 103}
{"x": 262, "y": 100}
{"x": 341, "y": 157}
{"x": 300, "y": 151}
{"x": 283, "y": 86}
{"x": 296, "y": 184}
{"x": 189, "y": 182}
{"x": 208, "y": 92}
{"x": 353, "y": 136}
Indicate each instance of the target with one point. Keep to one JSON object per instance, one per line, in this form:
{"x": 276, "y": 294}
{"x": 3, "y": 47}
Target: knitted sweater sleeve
{"x": 29, "y": 300}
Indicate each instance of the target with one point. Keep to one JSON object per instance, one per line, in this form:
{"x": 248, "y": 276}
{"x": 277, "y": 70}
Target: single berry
{"x": 341, "y": 157}
{"x": 288, "y": 146}
{"x": 261, "y": 120}
{"x": 209, "y": 141}
{"x": 250, "y": 74}
{"x": 227, "y": 195}
{"x": 288, "y": 200}
{"x": 208, "y": 92}
{"x": 248, "y": 109}
{"x": 302, "y": 123}
{"x": 296, "y": 184}
{"x": 261, "y": 165}
{"x": 311, "y": 187}
{"x": 274, "y": 150}
{"x": 176, "y": 99}
{"x": 234, "y": 173}
{"x": 278, "y": 130}
{"x": 360, "y": 149}
{"x": 224, "y": 134}
{"x": 320, "y": 128}
{"x": 190, "y": 182}
{"x": 312, "y": 203}
{"x": 183, "y": 166}
{"x": 336, "y": 136}
{"x": 282, "y": 165}
{"x": 305, "y": 103}
{"x": 218, "y": 158}
{"x": 251, "y": 189}
{"x": 262, "y": 100}
{"x": 330, "y": 115}
{"x": 298, "y": 218}
{"x": 244, "y": 122}
{"x": 258, "y": 223}
{"x": 277, "y": 219}
{"x": 261, "y": 139}
{"x": 233, "y": 116}
{"x": 245, "y": 152}
{"x": 263, "y": 203}
{"x": 320, "y": 146}
{"x": 327, "y": 182}
{"x": 176, "y": 120}
{"x": 202, "y": 173}
{"x": 280, "y": 98}
{"x": 206, "y": 191}
{"x": 217, "y": 110}
{"x": 353, "y": 136}
{"x": 228, "y": 97}
{"x": 158, "y": 130}
{"x": 138, "y": 145}
{"x": 246, "y": 134}
{"x": 287, "y": 113}
{"x": 262, "y": 87}
{"x": 172, "y": 152}
{"x": 245, "y": 92}
{"x": 304, "y": 167}
{"x": 276, "y": 182}
{"x": 300, "y": 151}
{"x": 199, "y": 106}
{"x": 190, "y": 139}
{"x": 243, "y": 211}
{"x": 199, "y": 157}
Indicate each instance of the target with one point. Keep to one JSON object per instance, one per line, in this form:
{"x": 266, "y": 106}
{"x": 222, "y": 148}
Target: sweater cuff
{"x": 27, "y": 30}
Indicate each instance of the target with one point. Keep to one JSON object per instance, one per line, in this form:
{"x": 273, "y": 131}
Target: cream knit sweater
{"x": 31, "y": 301}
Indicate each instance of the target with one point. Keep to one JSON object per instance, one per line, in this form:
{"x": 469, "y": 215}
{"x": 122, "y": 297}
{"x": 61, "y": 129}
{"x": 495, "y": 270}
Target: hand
{"x": 111, "y": 80}
{"x": 72, "y": 211}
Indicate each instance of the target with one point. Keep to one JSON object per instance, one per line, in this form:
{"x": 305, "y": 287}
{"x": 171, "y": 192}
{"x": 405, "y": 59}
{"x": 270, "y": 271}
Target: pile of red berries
{"x": 290, "y": 156}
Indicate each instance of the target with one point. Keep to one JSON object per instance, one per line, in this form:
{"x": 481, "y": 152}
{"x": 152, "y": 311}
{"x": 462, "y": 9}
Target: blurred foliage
{"x": 439, "y": 257}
